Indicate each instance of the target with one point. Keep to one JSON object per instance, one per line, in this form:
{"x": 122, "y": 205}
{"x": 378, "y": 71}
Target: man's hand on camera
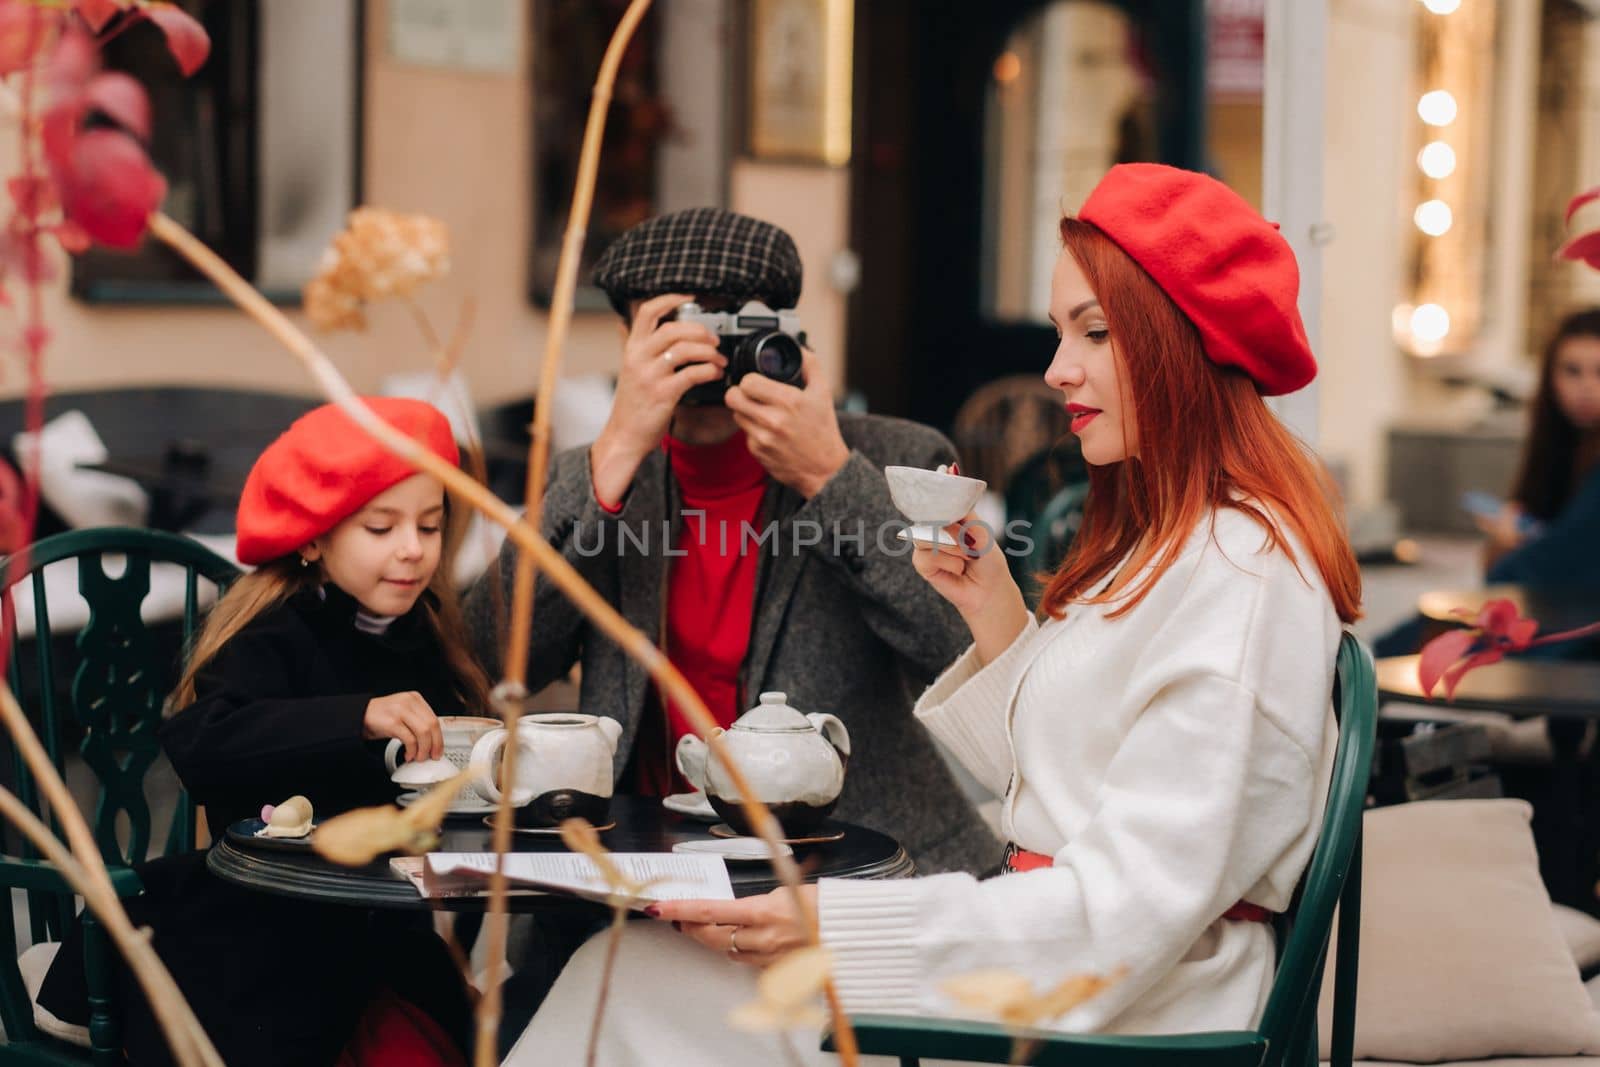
{"x": 793, "y": 432}
{"x": 660, "y": 362}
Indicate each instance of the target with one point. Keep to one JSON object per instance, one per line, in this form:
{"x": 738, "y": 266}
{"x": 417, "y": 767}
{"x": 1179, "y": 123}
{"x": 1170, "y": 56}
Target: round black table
{"x": 642, "y": 826}
{"x": 1520, "y": 687}
{"x": 1556, "y": 609}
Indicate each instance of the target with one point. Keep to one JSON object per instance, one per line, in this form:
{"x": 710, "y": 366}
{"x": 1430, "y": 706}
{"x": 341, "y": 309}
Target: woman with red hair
{"x": 1163, "y": 734}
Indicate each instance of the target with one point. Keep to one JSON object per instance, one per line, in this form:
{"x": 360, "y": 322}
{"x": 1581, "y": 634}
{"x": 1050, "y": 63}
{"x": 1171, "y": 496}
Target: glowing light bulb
{"x": 1437, "y": 159}
{"x": 1430, "y": 323}
{"x": 1437, "y": 108}
{"x": 1441, "y": 7}
{"x": 1433, "y": 217}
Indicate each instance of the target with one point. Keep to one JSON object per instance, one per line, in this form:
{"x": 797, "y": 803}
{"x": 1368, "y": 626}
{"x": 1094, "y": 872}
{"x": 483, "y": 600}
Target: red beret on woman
{"x": 1228, "y": 269}
{"x": 324, "y": 468}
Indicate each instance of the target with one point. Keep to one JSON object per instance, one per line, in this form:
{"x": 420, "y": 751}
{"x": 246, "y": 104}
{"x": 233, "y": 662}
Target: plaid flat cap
{"x": 702, "y": 251}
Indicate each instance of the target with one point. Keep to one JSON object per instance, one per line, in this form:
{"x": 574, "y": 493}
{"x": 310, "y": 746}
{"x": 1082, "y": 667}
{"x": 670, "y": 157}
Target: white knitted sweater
{"x": 1173, "y": 761}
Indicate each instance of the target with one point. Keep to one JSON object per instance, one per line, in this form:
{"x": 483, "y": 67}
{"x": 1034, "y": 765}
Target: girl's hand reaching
{"x": 408, "y": 717}
{"x": 974, "y": 577}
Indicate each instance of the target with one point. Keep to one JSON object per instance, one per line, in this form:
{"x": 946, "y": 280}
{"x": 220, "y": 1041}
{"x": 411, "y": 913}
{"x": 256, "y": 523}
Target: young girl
{"x": 1163, "y": 735}
{"x": 1559, "y": 484}
{"x": 344, "y": 637}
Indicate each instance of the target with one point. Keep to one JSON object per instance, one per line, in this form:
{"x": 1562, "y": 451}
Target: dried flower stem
{"x": 516, "y": 659}
{"x": 619, "y": 916}
{"x": 84, "y": 869}
{"x": 633, "y": 643}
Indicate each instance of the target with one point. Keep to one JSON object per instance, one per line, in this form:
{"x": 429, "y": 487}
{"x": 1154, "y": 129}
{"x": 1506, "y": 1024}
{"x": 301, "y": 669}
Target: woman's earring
{"x": 304, "y": 562}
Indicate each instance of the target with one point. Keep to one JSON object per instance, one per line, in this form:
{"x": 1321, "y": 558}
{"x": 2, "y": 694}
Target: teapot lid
{"x": 772, "y": 714}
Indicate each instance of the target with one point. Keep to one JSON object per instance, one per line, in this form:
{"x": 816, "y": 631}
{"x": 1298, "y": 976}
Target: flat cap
{"x": 701, "y": 251}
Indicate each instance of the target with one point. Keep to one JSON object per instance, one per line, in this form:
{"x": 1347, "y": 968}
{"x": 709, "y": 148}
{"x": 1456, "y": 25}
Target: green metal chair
{"x": 1287, "y": 1036}
{"x": 121, "y": 672}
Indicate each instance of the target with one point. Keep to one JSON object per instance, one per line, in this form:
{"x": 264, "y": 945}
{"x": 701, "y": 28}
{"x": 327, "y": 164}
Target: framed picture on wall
{"x": 262, "y": 163}
{"x": 797, "y": 91}
{"x": 666, "y": 139}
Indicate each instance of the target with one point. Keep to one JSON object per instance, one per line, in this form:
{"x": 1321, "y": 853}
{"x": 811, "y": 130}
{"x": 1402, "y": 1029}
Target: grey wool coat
{"x": 840, "y": 624}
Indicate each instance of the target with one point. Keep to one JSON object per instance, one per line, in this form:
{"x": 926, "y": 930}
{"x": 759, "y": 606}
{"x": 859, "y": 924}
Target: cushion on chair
{"x": 1582, "y": 935}
{"x": 81, "y": 497}
{"x": 34, "y": 963}
{"x": 1461, "y": 955}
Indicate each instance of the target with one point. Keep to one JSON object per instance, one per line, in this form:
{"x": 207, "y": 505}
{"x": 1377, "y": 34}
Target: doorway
{"x": 976, "y": 124}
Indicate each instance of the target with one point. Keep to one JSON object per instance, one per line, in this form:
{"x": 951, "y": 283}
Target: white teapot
{"x": 563, "y": 767}
{"x": 794, "y": 762}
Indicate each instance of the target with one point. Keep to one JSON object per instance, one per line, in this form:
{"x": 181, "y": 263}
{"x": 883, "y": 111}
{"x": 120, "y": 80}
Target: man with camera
{"x": 728, "y": 511}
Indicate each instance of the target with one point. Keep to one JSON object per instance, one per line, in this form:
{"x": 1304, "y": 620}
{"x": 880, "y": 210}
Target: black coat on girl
{"x": 278, "y": 712}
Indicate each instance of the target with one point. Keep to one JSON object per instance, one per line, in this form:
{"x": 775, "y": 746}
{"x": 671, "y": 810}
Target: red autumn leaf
{"x": 1438, "y": 655}
{"x": 32, "y": 196}
{"x": 109, "y": 188}
{"x": 71, "y": 65}
{"x": 1496, "y": 616}
{"x": 13, "y": 527}
{"x": 1585, "y": 248}
{"x": 24, "y": 30}
{"x": 1453, "y": 676}
{"x": 1578, "y": 201}
{"x": 186, "y": 38}
{"x": 98, "y": 12}
{"x": 1520, "y": 633}
{"x": 121, "y": 99}
{"x": 74, "y": 238}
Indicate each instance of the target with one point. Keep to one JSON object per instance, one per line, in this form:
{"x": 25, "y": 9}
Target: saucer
{"x": 927, "y": 536}
{"x": 424, "y": 773}
{"x": 465, "y": 803}
{"x": 733, "y": 849}
{"x": 545, "y": 831}
{"x": 691, "y": 805}
{"x": 820, "y": 837}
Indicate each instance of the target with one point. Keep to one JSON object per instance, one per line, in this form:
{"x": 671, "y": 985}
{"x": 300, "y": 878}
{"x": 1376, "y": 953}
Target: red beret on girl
{"x": 324, "y": 468}
{"x": 1226, "y": 267}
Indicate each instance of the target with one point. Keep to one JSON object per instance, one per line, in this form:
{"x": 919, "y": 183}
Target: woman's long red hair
{"x": 1206, "y": 441}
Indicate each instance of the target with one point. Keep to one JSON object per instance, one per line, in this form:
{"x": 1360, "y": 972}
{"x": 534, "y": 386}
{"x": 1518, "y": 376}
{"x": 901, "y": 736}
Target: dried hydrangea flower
{"x": 788, "y": 992}
{"x": 379, "y": 254}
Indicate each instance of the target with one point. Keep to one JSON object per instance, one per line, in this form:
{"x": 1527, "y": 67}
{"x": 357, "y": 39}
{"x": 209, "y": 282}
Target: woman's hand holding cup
{"x": 972, "y": 574}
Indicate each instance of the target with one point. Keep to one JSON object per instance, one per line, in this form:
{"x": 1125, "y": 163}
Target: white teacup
{"x": 461, "y": 733}
{"x": 932, "y": 499}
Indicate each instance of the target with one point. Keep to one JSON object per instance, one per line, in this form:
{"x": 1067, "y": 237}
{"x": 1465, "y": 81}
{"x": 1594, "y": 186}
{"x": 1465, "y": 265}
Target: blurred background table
{"x": 1517, "y": 687}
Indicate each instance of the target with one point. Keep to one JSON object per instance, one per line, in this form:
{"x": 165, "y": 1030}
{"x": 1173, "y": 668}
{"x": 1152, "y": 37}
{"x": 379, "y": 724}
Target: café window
{"x": 260, "y": 147}
{"x": 666, "y": 135}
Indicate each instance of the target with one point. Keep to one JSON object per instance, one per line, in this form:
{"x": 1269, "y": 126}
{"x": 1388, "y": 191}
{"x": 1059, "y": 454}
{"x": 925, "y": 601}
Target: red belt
{"x": 1017, "y": 859}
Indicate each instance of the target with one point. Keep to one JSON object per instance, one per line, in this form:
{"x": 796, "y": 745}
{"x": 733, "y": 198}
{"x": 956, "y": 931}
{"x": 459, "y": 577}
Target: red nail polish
{"x": 653, "y": 911}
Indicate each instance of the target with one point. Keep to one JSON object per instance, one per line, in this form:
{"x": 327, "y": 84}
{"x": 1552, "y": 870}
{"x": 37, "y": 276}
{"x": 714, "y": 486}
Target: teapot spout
{"x": 691, "y": 759}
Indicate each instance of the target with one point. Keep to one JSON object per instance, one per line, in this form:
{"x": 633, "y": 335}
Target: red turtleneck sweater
{"x": 710, "y": 596}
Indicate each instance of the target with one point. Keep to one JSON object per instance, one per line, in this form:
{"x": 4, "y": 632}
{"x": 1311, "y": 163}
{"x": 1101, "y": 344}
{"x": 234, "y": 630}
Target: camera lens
{"x": 774, "y": 354}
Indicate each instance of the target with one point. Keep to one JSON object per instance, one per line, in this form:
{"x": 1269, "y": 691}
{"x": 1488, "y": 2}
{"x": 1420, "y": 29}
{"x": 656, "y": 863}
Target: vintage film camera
{"x": 756, "y": 340}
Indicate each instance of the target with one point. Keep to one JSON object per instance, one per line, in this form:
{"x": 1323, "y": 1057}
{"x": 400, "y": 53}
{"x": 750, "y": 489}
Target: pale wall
{"x": 453, "y": 145}
{"x": 1363, "y": 375}
{"x": 813, "y": 204}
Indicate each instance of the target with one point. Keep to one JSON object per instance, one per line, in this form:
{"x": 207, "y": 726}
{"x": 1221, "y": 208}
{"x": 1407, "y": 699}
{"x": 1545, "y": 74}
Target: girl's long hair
{"x": 1549, "y": 462}
{"x": 274, "y": 582}
{"x": 1206, "y": 441}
